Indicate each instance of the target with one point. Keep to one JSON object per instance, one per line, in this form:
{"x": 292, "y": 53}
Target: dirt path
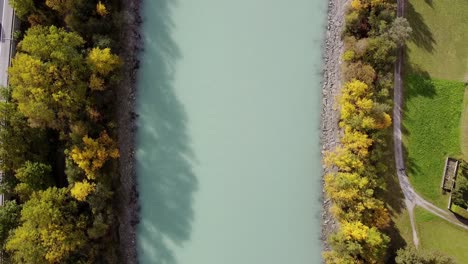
{"x": 412, "y": 199}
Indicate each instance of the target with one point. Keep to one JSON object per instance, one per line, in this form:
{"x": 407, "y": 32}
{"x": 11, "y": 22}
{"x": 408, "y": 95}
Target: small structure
{"x": 450, "y": 174}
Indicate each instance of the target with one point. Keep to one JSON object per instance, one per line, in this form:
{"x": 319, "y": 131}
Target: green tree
{"x": 411, "y": 255}
{"x": 61, "y": 6}
{"x": 460, "y": 193}
{"x": 18, "y": 141}
{"x": 51, "y": 231}
{"x": 33, "y": 176}
{"x": 48, "y": 76}
{"x": 22, "y": 7}
{"x": 400, "y": 30}
{"x": 9, "y": 220}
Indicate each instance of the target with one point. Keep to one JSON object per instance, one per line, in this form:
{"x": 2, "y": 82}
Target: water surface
{"x": 228, "y": 154}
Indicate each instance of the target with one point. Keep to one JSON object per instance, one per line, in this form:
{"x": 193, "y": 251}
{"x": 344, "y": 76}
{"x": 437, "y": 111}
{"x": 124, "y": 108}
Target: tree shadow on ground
{"x": 164, "y": 158}
{"x": 394, "y": 199}
{"x": 416, "y": 82}
{"x": 422, "y": 35}
{"x": 430, "y": 3}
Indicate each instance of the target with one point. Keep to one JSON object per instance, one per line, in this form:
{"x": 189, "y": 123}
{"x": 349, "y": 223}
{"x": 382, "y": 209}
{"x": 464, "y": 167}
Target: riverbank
{"x": 127, "y": 196}
{"x": 330, "y": 89}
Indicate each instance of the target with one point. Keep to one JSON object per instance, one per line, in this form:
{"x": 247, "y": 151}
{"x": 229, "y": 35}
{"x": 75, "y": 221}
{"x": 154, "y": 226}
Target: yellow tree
{"x": 103, "y": 61}
{"x": 343, "y": 158}
{"x": 81, "y": 190}
{"x": 51, "y": 231}
{"x": 356, "y": 141}
{"x": 357, "y": 243}
{"x": 47, "y": 76}
{"x": 94, "y": 153}
{"x": 101, "y": 9}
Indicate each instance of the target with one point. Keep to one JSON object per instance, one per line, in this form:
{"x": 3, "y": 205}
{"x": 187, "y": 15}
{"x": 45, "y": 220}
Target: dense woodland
{"x": 372, "y": 34}
{"x": 58, "y": 147}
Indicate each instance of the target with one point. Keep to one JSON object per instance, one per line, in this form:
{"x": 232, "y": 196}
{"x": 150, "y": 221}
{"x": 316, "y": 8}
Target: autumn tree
{"x": 81, "y": 190}
{"x": 101, "y": 9}
{"x": 94, "y": 154}
{"x": 48, "y": 76}
{"x": 101, "y": 62}
{"x": 357, "y": 243}
{"x": 360, "y": 71}
{"x": 51, "y": 230}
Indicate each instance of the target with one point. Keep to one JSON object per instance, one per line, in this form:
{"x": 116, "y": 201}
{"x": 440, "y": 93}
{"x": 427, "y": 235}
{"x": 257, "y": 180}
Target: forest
{"x": 58, "y": 147}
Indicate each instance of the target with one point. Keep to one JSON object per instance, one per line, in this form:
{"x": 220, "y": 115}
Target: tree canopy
{"x": 48, "y": 76}
{"x": 51, "y": 230}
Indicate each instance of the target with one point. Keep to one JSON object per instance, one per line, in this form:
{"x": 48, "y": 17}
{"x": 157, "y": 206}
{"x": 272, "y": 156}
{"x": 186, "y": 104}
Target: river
{"x": 228, "y": 151}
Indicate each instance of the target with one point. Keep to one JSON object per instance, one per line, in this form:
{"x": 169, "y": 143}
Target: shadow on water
{"x": 166, "y": 181}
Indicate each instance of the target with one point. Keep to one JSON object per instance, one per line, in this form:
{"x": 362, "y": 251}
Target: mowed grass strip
{"x": 431, "y": 127}
{"x": 439, "y": 235}
{"x": 440, "y": 36}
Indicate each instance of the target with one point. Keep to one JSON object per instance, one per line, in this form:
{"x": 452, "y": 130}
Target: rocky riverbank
{"x": 330, "y": 89}
{"x": 126, "y": 194}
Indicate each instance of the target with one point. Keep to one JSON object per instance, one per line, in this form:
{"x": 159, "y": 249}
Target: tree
{"x": 51, "y": 231}
{"x": 411, "y": 255}
{"x": 357, "y": 243}
{"x": 381, "y": 53}
{"x": 95, "y": 152}
{"x": 18, "y": 141}
{"x": 356, "y": 141}
{"x": 22, "y": 7}
{"x": 460, "y": 193}
{"x": 101, "y": 9}
{"x": 9, "y": 220}
{"x": 81, "y": 190}
{"x": 61, "y": 6}
{"x": 343, "y": 158}
{"x": 33, "y": 176}
{"x": 36, "y": 175}
{"x": 400, "y": 31}
{"x": 102, "y": 61}
{"x": 48, "y": 76}
{"x": 360, "y": 71}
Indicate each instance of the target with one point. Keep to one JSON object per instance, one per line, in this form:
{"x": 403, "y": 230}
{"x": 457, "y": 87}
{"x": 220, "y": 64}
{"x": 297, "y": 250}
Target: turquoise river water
{"x": 228, "y": 151}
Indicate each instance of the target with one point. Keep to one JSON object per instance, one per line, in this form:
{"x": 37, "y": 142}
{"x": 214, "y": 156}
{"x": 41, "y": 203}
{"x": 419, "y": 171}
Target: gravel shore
{"x": 126, "y": 194}
{"x": 330, "y": 89}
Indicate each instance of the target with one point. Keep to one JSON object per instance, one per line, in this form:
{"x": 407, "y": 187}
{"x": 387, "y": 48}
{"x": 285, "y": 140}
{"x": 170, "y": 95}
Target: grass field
{"x": 436, "y": 65}
{"x": 432, "y": 131}
{"x": 439, "y": 235}
{"x": 440, "y": 36}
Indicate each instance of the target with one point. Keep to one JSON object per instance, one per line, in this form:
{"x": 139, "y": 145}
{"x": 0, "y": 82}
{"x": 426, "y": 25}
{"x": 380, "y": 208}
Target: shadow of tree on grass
{"x": 422, "y": 35}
